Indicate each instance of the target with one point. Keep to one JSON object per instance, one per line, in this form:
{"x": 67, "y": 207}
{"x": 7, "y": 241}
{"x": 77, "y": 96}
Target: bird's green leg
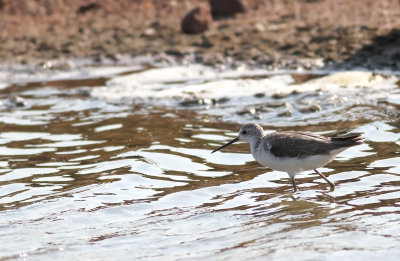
{"x": 295, "y": 188}
{"x": 327, "y": 180}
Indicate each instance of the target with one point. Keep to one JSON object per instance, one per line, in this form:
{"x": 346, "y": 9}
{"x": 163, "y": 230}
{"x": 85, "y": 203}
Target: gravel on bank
{"x": 272, "y": 34}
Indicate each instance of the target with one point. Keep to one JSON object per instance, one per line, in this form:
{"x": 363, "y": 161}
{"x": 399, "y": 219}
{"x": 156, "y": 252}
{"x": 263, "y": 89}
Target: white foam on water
{"x": 24, "y": 74}
{"x": 242, "y": 95}
{"x": 236, "y": 95}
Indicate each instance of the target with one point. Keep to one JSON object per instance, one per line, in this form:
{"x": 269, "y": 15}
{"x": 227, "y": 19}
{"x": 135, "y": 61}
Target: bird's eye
{"x": 244, "y": 132}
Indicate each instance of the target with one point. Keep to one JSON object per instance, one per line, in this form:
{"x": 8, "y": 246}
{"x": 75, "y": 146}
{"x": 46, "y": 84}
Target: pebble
{"x": 311, "y": 108}
{"x": 196, "y": 21}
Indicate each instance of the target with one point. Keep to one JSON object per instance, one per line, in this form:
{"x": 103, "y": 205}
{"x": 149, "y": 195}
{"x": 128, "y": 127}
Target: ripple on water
{"x": 82, "y": 177}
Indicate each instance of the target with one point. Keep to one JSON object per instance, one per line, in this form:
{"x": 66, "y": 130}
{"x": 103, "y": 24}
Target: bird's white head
{"x": 250, "y": 133}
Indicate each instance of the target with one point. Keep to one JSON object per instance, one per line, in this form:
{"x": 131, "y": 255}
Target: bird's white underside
{"x": 294, "y": 165}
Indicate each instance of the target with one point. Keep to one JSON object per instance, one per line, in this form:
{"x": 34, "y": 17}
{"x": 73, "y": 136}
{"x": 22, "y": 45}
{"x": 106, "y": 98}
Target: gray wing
{"x": 297, "y": 144}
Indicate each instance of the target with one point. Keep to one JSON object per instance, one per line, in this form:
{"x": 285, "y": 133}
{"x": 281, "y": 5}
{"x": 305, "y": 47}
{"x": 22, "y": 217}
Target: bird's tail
{"x": 348, "y": 141}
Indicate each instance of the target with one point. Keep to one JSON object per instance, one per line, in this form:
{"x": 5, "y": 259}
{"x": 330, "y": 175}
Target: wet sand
{"x": 271, "y": 34}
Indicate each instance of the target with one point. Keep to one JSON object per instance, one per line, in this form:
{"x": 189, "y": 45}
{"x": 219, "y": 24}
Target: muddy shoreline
{"x": 271, "y": 34}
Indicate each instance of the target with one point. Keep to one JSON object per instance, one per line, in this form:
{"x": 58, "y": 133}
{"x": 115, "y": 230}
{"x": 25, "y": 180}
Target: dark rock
{"x": 196, "y": 21}
{"x": 222, "y": 100}
{"x": 206, "y": 43}
{"x": 174, "y": 52}
{"x": 247, "y": 111}
{"x": 220, "y": 8}
{"x": 88, "y": 7}
{"x": 44, "y": 46}
{"x": 280, "y": 95}
{"x": 310, "y": 108}
{"x": 195, "y": 101}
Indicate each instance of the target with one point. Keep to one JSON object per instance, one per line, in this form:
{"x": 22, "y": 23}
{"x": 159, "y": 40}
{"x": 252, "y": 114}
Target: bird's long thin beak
{"x": 229, "y": 143}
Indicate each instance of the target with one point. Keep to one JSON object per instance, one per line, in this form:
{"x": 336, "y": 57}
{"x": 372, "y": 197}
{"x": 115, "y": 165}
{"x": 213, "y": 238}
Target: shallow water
{"x": 109, "y": 163}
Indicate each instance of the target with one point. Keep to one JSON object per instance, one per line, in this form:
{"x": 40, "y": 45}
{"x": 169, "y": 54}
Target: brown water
{"x": 82, "y": 178}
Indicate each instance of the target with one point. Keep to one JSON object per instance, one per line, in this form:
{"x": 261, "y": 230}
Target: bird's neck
{"x": 254, "y": 144}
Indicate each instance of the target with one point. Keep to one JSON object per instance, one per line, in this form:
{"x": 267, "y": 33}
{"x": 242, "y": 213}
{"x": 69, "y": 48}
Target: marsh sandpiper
{"x": 291, "y": 151}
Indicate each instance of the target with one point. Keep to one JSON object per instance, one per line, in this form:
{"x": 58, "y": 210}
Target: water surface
{"x": 115, "y": 163}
